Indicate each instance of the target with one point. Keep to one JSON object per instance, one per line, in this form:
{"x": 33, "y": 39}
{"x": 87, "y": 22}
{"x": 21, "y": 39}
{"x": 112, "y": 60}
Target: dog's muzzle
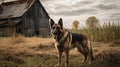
{"x": 56, "y": 35}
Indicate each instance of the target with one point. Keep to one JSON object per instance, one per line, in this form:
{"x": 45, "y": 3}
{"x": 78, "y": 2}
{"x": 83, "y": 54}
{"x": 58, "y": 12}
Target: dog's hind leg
{"x": 81, "y": 50}
{"x": 88, "y": 49}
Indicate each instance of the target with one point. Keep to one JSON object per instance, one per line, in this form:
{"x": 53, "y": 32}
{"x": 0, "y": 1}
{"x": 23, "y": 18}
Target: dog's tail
{"x": 91, "y": 51}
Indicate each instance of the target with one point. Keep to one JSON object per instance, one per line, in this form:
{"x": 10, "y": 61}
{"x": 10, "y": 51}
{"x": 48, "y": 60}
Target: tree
{"x": 75, "y": 25}
{"x": 92, "y": 22}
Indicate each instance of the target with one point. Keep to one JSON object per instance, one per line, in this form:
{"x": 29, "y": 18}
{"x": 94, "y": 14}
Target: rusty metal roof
{"x": 15, "y": 8}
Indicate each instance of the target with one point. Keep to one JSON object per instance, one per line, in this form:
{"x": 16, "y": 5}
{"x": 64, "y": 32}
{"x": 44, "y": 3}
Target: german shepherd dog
{"x": 65, "y": 41}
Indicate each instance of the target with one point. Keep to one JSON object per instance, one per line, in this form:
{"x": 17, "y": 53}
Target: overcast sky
{"x": 70, "y": 10}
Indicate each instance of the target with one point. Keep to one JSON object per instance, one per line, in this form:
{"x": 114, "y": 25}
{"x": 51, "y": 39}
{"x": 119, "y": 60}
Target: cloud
{"x": 63, "y": 8}
{"x": 75, "y": 12}
{"x": 85, "y": 2}
{"x": 82, "y": 3}
{"x": 105, "y": 10}
{"x": 45, "y": 0}
{"x": 114, "y": 16}
{"x": 106, "y": 6}
{"x": 110, "y": 1}
{"x": 69, "y": 7}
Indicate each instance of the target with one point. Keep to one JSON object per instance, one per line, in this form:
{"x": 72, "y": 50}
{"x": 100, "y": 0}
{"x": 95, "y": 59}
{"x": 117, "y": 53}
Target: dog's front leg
{"x": 67, "y": 58}
{"x": 59, "y": 57}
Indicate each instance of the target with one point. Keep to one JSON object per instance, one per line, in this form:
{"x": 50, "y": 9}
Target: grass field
{"x": 105, "y": 33}
{"x": 40, "y": 52}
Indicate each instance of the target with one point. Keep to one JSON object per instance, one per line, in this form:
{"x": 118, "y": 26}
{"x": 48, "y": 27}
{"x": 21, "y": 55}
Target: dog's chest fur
{"x": 65, "y": 43}
{"x": 63, "y": 46}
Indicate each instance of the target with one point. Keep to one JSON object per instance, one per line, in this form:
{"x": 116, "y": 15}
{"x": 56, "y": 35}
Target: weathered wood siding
{"x": 7, "y": 31}
{"x": 35, "y": 22}
{"x": 8, "y": 26}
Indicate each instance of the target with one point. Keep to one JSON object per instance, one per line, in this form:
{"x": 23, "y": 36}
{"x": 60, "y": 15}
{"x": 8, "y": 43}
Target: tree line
{"x": 108, "y": 32}
{"x": 91, "y": 22}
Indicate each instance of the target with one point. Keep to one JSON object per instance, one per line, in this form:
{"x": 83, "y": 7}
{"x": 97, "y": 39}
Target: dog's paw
{"x": 57, "y": 65}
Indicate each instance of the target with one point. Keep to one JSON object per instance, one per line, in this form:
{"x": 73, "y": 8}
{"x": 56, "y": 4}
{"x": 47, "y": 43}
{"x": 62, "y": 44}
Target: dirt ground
{"x": 40, "y": 52}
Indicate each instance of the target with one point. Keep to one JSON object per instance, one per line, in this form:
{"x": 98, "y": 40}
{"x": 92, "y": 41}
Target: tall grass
{"x": 105, "y": 33}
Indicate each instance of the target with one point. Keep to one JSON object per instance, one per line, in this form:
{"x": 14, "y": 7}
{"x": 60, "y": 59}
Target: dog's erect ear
{"x": 60, "y": 22}
{"x": 51, "y": 22}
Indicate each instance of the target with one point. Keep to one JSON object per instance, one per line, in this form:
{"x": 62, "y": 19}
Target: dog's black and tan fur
{"x": 65, "y": 41}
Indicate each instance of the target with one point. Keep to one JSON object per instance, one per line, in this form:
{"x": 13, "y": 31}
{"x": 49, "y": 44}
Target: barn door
{"x": 37, "y": 17}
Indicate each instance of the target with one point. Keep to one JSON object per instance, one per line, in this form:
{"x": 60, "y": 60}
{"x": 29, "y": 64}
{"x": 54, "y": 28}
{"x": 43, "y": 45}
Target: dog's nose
{"x": 55, "y": 33}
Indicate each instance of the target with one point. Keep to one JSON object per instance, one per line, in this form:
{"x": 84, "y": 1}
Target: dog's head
{"x": 56, "y": 28}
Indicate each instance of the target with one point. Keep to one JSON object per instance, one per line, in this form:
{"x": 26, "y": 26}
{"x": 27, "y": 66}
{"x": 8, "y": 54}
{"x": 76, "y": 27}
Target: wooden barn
{"x": 26, "y": 17}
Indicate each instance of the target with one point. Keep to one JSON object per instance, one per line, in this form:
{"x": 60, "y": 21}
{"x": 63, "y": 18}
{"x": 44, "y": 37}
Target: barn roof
{"x": 17, "y": 8}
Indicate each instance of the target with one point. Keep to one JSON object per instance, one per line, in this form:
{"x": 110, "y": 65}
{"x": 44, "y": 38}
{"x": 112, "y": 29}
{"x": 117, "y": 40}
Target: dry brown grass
{"x": 107, "y": 58}
{"x": 12, "y": 48}
{"x": 21, "y": 45}
{"x": 41, "y": 51}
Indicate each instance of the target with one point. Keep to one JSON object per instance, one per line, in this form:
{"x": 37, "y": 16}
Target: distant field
{"x": 105, "y": 33}
{"x": 40, "y": 52}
